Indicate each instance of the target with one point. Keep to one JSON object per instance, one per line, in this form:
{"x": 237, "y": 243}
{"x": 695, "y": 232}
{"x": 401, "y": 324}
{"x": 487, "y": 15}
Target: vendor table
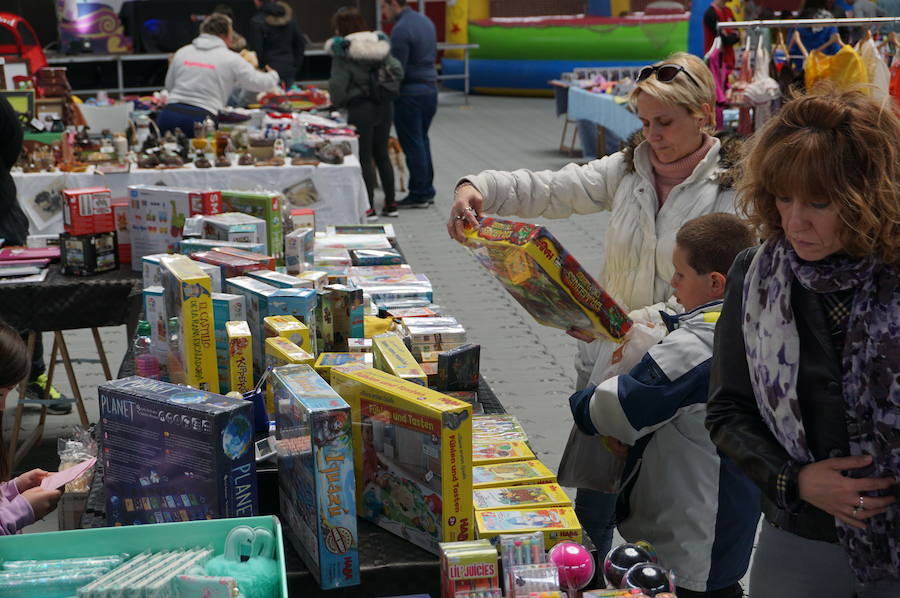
{"x": 67, "y": 303}
{"x": 604, "y": 111}
{"x": 340, "y": 188}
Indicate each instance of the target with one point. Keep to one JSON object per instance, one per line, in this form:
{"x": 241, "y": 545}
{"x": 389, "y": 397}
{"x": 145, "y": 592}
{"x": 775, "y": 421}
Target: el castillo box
{"x": 412, "y": 456}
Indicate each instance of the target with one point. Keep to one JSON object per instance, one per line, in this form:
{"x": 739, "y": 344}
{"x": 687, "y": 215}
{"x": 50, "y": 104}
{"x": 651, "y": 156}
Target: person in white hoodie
{"x": 677, "y": 172}
{"x": 203, "y": 74}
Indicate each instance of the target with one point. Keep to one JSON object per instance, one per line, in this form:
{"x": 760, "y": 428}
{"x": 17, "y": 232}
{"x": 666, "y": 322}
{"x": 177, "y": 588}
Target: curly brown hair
{"x": 834, "y": 144}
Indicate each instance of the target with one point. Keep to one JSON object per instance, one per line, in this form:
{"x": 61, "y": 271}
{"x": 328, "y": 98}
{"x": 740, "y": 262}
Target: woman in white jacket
{"x": 674, "y": 175}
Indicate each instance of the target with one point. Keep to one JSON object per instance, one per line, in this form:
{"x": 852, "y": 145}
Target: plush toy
{"x": 249, "y": 560}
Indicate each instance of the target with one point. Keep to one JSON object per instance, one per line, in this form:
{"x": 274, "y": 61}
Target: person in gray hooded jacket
{"x": 356, "y": 55}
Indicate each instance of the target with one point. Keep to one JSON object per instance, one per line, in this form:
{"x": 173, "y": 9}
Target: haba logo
{"x": 463, "y": 533}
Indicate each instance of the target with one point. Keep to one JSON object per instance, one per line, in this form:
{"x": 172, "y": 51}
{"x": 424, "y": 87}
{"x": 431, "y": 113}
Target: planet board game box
{"x": 546, "y": 279}
{"x": 172, "y": 453}
{"x": 413, "y": 455}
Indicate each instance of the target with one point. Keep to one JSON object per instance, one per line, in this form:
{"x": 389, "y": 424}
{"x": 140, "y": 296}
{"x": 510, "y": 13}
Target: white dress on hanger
{"x": 879, "y": 73}
{"x": 762, "y": 89}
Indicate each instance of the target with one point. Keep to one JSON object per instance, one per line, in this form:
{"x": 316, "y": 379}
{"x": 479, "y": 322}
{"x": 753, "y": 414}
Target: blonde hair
{"x": 682, "y": 91}
{"x": 835, "y": 145}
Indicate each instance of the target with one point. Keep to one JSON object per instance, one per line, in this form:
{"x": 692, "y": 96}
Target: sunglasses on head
{"x": 665, "y": 73}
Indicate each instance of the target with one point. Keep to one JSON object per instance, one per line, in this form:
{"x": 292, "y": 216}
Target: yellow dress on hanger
{"x": 845, "y": 69}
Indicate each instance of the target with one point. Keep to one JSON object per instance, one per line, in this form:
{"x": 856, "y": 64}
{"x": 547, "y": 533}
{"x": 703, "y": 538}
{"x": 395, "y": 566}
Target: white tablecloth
{"x": 603, "y": 110}
{"x": 340, "y": 188}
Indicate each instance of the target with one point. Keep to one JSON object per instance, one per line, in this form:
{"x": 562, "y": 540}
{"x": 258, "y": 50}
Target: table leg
{"x": 73, "y": 382}
{"x": 466, "y": 73}
{"x": 17, "y": 423}
{"x": 102, "y": 353}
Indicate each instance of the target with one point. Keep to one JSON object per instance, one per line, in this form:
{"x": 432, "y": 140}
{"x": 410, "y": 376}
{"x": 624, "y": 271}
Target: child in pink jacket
{"x": 22, "y": 500}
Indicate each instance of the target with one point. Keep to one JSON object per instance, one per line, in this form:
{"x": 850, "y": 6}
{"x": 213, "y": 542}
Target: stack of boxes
{"x": 89, "y": 244}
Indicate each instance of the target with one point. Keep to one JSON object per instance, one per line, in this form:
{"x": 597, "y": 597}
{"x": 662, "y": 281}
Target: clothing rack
{"x": 805, "y": 22}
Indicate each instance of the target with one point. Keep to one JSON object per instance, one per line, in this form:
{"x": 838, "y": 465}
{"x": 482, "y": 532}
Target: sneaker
{"x": 35, "y": 390}
{"x": 371, "y": 216}
{"x": 390, "y": 211}
{"x": 413, "y": 202}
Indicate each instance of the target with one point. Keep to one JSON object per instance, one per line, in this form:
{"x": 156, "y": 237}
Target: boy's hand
{"x": 30, "y": 480}
{"x": 580, "y": 404}
{"x": 615, "y": 446}
{"x": 42, "y": 501}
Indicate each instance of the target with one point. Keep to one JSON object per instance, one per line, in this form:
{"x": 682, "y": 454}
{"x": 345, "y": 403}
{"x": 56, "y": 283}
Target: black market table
{"x": 61, "y": 303}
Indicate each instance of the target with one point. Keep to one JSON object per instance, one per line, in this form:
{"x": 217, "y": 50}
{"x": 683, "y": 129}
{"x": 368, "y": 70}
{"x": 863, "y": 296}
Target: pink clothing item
{"x": 666, "y": 176}
{"x": 15, "y": 511}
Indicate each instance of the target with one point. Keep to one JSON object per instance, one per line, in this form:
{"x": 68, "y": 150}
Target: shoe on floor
{"x": 35, "y": 390}
{"x": 390, "y": 211}
{"x": 371, "y": 215}
{"x": 413, "y": 202}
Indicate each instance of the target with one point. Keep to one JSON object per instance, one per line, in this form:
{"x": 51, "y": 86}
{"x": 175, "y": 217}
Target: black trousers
{"x": 733, "y": 591}
{"x": 373, "y": 124}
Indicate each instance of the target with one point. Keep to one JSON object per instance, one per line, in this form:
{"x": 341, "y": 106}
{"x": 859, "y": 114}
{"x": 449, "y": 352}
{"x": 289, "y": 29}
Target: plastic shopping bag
{"x": 587, "y": 461}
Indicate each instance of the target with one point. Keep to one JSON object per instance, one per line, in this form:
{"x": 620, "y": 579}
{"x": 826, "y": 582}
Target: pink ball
{"x": 575, "y": 565}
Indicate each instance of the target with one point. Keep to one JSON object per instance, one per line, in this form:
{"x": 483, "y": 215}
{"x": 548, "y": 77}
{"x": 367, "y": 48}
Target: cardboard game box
{"x": 155, "y": 314}
{"x": 234, "y": 226}
{"x": 514, "y": 473}
{"x": 157, "y": 216}
{"x": 240, "y": 356}
{"x": 88, "y": 211}
{"x": 458, "y": 369}
{"x": 123, "y": 231}
{"x": 546, "y": 279}
{"x": 298, "y": 249}
{"x": 86, "y": 255}
{"x": 412, "y": 457}
{"x": 392, "y": 356}
{"x": 189, "y": 298}
{"x": 315, "y": 475}
{"x": 501, "y": 452}
{"x": 328, "y": 361}
{"x": 226, "y": 308}
{"x": 559, "y": 524}
{"x": 532, "y": 496}
{"x": 265, "y": 205}
{"x": 346, "y": 313}
{"x": 290, "y": 328}
{"x": 172, "y": 453}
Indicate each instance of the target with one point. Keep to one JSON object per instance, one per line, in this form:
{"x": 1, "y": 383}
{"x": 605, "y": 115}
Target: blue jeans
{"x": 596, "y": 512}
{"x": 181, "y": 116}
{"x": 412, "y": 117}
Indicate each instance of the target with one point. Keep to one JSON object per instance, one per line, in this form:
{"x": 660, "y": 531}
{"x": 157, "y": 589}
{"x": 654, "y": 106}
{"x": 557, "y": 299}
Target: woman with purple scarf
{"x": 805, "y": 381}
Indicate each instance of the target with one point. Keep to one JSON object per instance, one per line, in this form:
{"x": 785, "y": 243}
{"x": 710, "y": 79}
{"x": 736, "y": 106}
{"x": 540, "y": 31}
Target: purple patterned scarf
{"x": 870, "y": 362}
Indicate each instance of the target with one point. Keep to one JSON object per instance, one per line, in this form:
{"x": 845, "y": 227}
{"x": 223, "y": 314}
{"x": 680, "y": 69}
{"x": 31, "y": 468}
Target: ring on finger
{"x": 861, "y": 506}
{"x": 460, "y": 217}
{"x": 856, "y": 511}
{"x": 470, "y": 209}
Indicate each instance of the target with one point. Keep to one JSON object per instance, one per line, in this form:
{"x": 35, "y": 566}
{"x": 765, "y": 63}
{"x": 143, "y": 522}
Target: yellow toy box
{"x": 240, "y": 356}
{"x": 469, "y": 569}
{"x": 281, "y": 351}
{"x": 501, "y": 452}
{"x": 559, "y": 524}
{"x": 533, "y": 496}
{"x": 290, "y": 328}
{"x": 188, "y": 292}
{"x": 327, "y": 361}
{"x": 392, "y": 356}
{"x": 412, "y": 454}
{"x": 546, "y": 279}
{"x": 515, "y": 473}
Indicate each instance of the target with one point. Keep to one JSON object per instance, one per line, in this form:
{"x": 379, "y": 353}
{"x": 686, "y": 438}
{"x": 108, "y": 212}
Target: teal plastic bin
{"x": 137, "y": 538}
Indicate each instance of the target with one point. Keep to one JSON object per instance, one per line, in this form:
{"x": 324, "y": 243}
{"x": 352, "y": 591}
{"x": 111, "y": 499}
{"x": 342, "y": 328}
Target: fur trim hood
{"x": 277, "y": 13}
{"x": 364, "y": 46}
{"x": 729, "y": 157}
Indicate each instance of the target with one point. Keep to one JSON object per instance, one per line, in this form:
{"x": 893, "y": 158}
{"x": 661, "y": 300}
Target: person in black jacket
{"x": 14, "y": 231}
{"x": 276, "y": 39}
{"x": 805, "y": 380}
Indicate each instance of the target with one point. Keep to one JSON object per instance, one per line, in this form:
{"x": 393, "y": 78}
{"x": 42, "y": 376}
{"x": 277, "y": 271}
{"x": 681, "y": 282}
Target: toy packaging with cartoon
{"x": 545, "y": 278}
{"x": 346, "y": 313}
{"x": 292, "y": 329}
{"x": 189, "y": 298}
{"x": 413, "y": 456}
{"x": 520, "y": 497}
{"x": 328, "y": 361}
{"x": 158, "y": 214}
{"x": 234, "y": 226}
{"x": 497, "y": 427}
{"x": 501, "y": 452}
{"x": 513, "y": 473}
{"x": 469, "y": 569}
{"x": 172, "y": 453}
{"x": 240, "y": 356}
{"x": 226, "y": 308}
{"x": 458, "y": 369}
{"x": 316, "y": 477}
{"x": 559, "y": 524}
{"x": 155, "y": 314}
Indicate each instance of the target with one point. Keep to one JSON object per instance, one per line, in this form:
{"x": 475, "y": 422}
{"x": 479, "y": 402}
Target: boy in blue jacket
{"x": 693, "y": 504}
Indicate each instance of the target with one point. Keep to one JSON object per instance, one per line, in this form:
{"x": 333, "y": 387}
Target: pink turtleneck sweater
{"x": 666, "y": 176}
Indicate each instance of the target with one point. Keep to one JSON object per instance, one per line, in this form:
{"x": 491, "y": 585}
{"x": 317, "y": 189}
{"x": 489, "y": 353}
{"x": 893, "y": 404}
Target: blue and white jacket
{"x": 691, "y": 502}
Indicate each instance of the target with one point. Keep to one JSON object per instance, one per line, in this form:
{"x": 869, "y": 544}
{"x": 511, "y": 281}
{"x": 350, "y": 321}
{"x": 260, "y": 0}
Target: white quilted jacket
{"x": 639, "y": 243}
